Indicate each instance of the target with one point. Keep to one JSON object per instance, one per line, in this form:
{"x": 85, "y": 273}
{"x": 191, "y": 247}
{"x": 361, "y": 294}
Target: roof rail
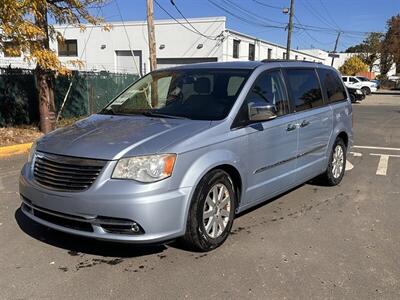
{"x": 289, "y": 60}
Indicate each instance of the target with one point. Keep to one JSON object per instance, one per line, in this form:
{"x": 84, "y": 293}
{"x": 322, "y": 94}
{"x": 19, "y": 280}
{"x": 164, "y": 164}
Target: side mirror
{"x": 259, "y": 113}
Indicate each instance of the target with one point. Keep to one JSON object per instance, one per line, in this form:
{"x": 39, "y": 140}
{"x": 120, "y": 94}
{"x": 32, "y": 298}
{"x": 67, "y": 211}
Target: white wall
{"x": 339, "y": 61}
{"x": 261, "y": 49}
{"x": 178, "y": 42}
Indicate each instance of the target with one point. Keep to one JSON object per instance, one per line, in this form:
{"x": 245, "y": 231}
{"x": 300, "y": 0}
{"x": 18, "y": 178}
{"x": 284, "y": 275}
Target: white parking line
{"x": 383, "y": 163}
{"x": 357, "y": 154}
{"x": 377, "y": 148}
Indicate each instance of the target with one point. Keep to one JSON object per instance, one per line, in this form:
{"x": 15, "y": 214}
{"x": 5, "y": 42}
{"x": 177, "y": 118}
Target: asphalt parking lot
{"x": 313, "y": 242}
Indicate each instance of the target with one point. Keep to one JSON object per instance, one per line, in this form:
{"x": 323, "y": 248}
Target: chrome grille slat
{"x": 66, "y": 173}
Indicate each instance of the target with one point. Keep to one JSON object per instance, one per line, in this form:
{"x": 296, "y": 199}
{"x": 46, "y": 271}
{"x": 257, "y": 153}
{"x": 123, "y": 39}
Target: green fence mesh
{"x": 89, "y": 93}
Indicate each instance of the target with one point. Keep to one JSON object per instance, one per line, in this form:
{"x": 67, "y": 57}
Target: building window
{"x": 68, "y": 48}
{"x": 304, "y": 58}
{"x": 252, "y": 51}
{"x": 284, "y": 55}
{"x": 269, "y": 53}
{"x": 11, "y": 49}
{"x": 236, "y": 48}
{"x": 296, "y": 57}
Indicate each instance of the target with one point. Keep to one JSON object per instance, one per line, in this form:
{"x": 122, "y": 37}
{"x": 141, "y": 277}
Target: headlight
{"x": 359, "y": 92}
{"x": 145, "y": 168}
{"x": 32, "y": 152}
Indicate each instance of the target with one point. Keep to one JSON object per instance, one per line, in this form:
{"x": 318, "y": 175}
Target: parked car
{"x": 367, "y": 87}
{"x": 182, "y": 150}
{"x": 356, "y": 94}
{"x": 363, "y": 78}
{"x": 377, "y": 82}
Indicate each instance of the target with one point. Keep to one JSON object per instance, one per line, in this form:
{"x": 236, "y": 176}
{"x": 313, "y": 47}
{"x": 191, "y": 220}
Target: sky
{"x": 260, "y": 17}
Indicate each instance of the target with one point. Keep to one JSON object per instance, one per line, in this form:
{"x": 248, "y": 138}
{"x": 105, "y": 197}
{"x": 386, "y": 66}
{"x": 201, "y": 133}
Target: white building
{"x": 339, "y": 61}
{"x": 112, "y": 50}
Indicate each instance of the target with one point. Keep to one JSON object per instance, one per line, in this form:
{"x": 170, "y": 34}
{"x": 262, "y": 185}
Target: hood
{"x": 112, "y": 137}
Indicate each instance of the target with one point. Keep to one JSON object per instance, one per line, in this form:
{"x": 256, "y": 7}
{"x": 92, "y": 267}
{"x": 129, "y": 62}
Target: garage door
{"x": 128, "y": 63}
{"x": 172, "y": 62}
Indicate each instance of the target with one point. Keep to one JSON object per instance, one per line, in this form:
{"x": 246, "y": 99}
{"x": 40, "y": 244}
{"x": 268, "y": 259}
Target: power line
{"x": 329, "y": 15}
{"x": 307, "y": 5}
{"x": 183, "y": 25}
{"x": 190, "y": 24}
{"x": 251, "y": 14}
{"x": 268, "y": 5}
{"x": 129, "y": 40}
{"x": 245, "y": 20}
{"x": 309, "y": 35}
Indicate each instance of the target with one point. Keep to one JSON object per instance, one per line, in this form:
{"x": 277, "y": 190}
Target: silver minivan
{"x": 183, "y": 150}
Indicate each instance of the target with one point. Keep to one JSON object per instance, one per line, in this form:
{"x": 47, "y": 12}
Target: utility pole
{"x": 334, "y": 49}
{"x": 151, "y": 35}
{"x": 290, "y": 29}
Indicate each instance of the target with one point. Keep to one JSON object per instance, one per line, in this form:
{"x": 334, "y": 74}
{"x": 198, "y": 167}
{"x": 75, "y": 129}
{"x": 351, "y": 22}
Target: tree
{"x": 391, "y": 45}
{"x": 359, "y": 48}
{"x": 24, "y": 28}
{"x": 372, "y": 49}
{"x": 353, "y": 66}
{"x": 369, "y": 50}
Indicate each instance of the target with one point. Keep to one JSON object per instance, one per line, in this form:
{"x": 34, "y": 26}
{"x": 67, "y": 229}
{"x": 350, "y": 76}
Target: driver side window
{"x": 269, "y": 89}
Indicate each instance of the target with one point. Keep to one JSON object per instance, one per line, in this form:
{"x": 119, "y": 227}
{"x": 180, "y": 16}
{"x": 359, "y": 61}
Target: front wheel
{"x": 337, "y": 164}
{"x": 211, "y": 212}
{"x": 366, "y": 90}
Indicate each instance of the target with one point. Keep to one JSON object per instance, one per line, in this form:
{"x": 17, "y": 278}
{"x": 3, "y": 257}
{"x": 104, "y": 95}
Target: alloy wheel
{"x": 337, "y": 161}
{"x": 216, "y": 211}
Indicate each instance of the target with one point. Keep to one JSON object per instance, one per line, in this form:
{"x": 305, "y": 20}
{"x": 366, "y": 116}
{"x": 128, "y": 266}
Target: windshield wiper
{"x": 158, "y": 115}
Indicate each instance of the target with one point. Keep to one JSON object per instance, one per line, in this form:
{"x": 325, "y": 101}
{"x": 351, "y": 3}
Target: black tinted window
{"x": 304, "y": 88}
{"x": 269, "y": 89}
{"x": 252, "y": 51}
{"x": 333, "y": 85}
{"x": 236, "y": 45}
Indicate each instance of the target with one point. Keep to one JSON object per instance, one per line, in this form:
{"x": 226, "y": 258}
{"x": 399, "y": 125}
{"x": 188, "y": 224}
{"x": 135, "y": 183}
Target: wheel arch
{"x": 236, "y": 179}
{"x": 343, "y": 135}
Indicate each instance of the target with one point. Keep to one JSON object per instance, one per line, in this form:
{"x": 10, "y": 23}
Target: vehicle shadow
{"x": 393, "y": 93}
{"x": 75, "y": 244}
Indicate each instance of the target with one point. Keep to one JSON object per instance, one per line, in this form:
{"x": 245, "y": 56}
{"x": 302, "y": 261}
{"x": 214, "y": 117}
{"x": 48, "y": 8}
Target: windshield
{"x": 193, "y": 94}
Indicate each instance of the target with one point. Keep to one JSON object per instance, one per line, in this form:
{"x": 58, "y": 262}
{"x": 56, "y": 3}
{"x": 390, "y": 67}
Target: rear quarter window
{"x": 333, "y": 85}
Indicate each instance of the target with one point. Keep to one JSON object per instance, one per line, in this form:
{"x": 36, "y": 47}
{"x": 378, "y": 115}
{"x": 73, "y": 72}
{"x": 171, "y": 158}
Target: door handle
{"x": 304, "y": 123}
{"x": 291, "y": 127}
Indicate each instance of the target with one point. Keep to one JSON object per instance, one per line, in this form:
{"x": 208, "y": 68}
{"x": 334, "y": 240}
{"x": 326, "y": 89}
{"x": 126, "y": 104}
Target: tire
{"x": 334, "y": 173}
{"x": 366, "y": 90}
{"x": 201, "y": 233}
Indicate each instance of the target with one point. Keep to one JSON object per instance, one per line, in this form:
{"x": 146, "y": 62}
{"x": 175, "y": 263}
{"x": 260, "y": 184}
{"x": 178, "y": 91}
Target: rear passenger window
{"x": 332, "y": 84}
{"x": 304, "y": 88}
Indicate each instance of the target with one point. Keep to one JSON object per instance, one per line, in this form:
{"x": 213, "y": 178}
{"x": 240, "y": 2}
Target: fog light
{"x": 135, "y": 228}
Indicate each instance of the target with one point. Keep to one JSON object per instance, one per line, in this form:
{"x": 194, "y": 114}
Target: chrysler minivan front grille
{"x": 65, "y": 173}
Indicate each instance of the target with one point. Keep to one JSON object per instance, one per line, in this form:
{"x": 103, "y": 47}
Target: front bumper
{"x": 159, "y": 212}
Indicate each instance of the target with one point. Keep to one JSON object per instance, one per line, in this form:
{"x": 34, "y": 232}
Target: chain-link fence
{"x": 89, "y": 93}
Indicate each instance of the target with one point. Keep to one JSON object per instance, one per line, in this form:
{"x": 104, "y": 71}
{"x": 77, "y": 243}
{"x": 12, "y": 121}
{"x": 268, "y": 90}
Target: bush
{"x": 353, "y": 66}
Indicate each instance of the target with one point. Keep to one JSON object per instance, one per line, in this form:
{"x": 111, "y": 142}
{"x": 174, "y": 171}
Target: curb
{"x": 7, "y": 151}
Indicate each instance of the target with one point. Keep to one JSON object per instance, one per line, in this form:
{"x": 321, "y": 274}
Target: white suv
{"x": 367, "y": 87}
